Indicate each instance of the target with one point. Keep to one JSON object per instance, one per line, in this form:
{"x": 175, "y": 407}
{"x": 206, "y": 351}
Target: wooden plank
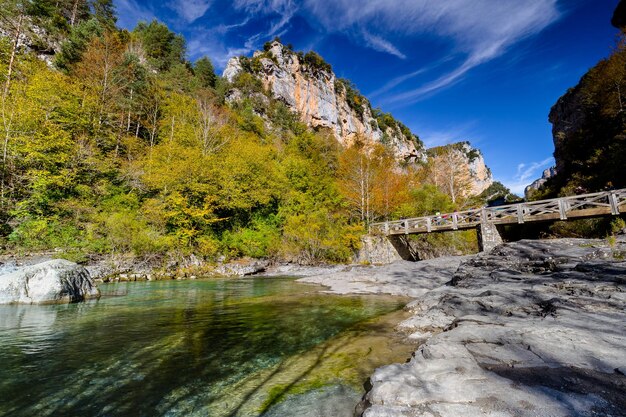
{"x": 614, "y": 204}
{"x": 562, "y": 209}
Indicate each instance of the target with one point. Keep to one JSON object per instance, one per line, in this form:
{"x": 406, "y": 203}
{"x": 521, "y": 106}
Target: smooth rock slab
{"x": 56, "y": 281}
{"x": 531, "y": 329}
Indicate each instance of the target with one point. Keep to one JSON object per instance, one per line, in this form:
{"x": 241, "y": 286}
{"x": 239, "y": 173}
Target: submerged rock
{"x": 56, "y": 281}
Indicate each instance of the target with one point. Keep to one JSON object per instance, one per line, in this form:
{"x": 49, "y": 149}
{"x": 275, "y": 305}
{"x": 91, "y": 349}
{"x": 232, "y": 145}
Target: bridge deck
{"x": 574, "y": 207}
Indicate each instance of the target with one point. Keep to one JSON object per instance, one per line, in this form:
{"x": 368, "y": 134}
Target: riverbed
{"x": 217, "y": 347}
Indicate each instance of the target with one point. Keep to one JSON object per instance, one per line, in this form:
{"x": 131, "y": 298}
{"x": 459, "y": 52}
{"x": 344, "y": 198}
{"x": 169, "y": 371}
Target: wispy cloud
{"x": 382, "y": 45}
{"x": 471, "y": 32}
{"x": 190, "y": 10}
{"x": 204, "y": 44}
{"x": 526, "y": 173}
{"x": 437, "y": 137}
{"x": 222, "y": 29}
{"x": 478, "y": 30}
{"x": 403, "y": 78}
{"x": 130, "y": 12}
{"x": 276, "y": 16}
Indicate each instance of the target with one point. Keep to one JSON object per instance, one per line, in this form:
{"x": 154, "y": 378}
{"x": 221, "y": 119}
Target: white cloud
{"x": 470, "y": 32}
{"x": 432, "y": 138}
{"x": 477, "y": 30}
{"x": 382, "y": 45}
{"x": 130, "y": 12}
{"x": 206, "y": 43}
{"x": 190, "y": 10}
{"x": 223, "y": 29}
{"x": 526, "y": 173}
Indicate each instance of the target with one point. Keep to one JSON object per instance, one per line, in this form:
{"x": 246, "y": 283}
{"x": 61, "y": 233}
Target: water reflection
{"x": 212, "y": 347}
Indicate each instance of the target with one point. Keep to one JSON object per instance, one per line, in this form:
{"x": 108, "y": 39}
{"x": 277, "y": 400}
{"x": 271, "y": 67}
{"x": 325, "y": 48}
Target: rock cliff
{"x": 538, "y": 183}
{"x": 465, "y": 163}
{"x": 568, "y": 116}
{"x": 308, "y": 86}
{"x": 480, "y": 175}
{"x": 588, "y": 127}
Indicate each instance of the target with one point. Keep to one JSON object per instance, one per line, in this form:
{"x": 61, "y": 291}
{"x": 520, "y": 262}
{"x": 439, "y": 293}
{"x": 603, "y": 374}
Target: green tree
{"x": 80, "y": 37}
{"x": 163, "y": 47}
{"x": 205, "y": 73}
{"x": 104, "y": 12}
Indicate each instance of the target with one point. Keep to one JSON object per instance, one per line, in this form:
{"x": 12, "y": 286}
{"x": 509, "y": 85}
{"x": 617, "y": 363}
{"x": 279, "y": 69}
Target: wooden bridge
{"x": 485, "y": 219}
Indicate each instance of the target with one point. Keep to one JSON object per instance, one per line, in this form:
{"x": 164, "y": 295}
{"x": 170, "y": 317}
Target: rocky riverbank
{"x": 534, "y": 328}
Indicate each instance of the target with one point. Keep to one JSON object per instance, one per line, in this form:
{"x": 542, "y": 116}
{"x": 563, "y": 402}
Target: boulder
{"x": 243, "y": 267}
{"x": 56, "y": 281}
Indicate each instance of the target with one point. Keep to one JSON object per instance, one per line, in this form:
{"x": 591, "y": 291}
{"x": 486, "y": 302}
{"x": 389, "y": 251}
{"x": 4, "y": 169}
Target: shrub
{"x": 316, "y": 62}
{"x": 260, "y": 240}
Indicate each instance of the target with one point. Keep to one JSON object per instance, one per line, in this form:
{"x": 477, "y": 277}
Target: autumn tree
{"x": 448, "y": 170}
{"x": 13, "y": 17}
{"x": 98, "y": 69}
{"x": 210, "y": 122}
{"x": 356, "y": 182}
{"x": 391, "y": 183}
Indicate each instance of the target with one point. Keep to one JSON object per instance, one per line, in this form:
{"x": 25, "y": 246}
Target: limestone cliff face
{"x": 568, "y": 116}
{"x": 538, "y": 183}
{"x": 480, "y": 175}
{"x": 33, "y": 38}
{"x": 321, "y": 100}
{"x": 588, "y": 129}
{"x": 462, "y": 162}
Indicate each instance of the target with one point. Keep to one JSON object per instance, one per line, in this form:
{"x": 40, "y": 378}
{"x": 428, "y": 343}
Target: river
{"x": 218, "y": 347}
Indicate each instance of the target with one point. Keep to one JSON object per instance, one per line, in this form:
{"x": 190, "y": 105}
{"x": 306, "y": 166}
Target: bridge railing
{"x": 585, "y": 205}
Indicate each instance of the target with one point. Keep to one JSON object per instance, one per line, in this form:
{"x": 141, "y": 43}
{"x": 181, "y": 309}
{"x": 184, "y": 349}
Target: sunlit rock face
{"x": 321, "y": 101}
{"x": 55, "y": 281}
{"x": 480, "y": 175}
{"x": 464, "y": 163}
{"x": 538, "y": 183}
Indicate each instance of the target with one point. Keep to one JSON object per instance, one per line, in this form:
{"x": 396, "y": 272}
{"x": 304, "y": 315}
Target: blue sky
{"x": 486, "y": 71}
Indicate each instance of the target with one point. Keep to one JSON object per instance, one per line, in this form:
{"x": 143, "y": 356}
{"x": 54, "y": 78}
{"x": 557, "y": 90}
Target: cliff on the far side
{"x": 589, "y": 128}
{"x": 307, "y": 85}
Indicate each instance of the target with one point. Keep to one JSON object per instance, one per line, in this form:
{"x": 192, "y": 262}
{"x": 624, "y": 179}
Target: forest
{"x": 118, "y": 144}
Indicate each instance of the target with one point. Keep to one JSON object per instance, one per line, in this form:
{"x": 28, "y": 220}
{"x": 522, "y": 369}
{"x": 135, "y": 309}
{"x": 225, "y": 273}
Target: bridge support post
{"x": 488, "y": 236}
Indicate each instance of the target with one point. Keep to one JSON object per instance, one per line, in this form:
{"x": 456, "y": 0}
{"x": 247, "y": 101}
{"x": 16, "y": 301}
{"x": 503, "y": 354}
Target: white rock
{"x": 53, "y": 281}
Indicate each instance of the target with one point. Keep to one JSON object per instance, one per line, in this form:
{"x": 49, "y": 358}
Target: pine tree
{"x": 205, "y": 73}
{"x": 104, "y": 12}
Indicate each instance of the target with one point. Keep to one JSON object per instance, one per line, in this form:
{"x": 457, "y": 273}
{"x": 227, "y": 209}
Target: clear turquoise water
{"x": 206, "y": 348}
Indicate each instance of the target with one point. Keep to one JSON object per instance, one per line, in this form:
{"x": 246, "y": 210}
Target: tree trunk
{"x": 74, "y": 12}
{"x": 16, "y": 42}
